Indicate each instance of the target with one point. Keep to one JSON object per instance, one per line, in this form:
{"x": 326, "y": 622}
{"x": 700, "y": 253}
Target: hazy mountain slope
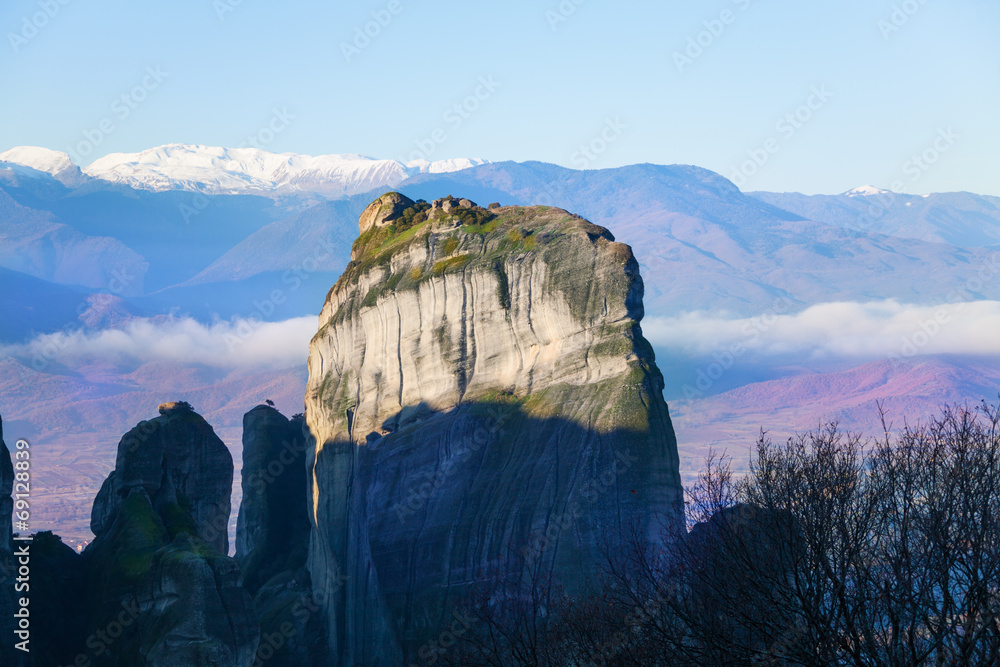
{"x": 704, "y": 244}
{"x": 74, "y": 416}
{"x": 31, "y": 305}
{"x": 319, "y": 238}
{"x": 176, "y": 233}
{"x": 911, "y": 389}
{"x": 296, "y": 258}
{"x": 958, "y": 218}
{"x": 36, "y": 243}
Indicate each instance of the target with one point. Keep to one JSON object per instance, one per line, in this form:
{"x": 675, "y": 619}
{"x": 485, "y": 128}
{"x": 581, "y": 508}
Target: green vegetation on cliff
{"x": 464, "y": 239}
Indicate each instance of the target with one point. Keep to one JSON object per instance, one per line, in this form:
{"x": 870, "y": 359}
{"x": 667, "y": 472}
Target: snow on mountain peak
{"x": 41, "y": 159}
{"x": 216, "y": 170}
{"x": 865, "y": 191}
{"x": 443, "y": 166}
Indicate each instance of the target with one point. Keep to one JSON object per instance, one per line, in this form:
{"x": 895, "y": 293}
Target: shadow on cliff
{"x": 438, "y": 504}
{"x": 155, "y": 586}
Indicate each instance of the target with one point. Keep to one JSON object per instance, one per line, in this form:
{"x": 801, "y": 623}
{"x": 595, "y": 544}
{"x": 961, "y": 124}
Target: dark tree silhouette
{"x": 832, "y": 549}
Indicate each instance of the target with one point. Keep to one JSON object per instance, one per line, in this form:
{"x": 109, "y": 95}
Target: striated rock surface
{"x": 177, "y": 459}
{"x": 483, "y": 403}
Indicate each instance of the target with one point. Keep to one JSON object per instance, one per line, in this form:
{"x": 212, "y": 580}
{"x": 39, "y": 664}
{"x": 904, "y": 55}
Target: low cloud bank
{"x": 847, "y": 329}
{"x": 831, "y": 330}
{"x": 234, "y": 344}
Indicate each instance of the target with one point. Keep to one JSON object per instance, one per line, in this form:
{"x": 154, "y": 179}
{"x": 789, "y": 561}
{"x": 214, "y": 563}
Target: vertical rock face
{"x": 483, "y": 403}
{"x": 272, "y": 538}
{"x": 177, "y": 460}
{"x": 272, "y": 530}
{"x": 59, "y": 602}
{"x": 194, "y": 610}
{"x": 157, "y": 566}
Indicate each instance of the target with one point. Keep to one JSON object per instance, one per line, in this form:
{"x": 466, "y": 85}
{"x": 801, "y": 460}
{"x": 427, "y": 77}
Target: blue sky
{"x": 779, "y": 95}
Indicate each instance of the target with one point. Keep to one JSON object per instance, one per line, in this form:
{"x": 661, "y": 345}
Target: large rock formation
{"x": 60, "y": 602}
{"x": 178, "y": 460}
{"x": 155, "y": 586}
{"x": 483, "y": 404}
{"x": 272, "y": 537}
{"x": 272, "y": 530}
{"x": 383, "y": 211}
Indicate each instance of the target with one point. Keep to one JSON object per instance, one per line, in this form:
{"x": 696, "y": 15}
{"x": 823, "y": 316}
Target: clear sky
{"x": 887, "y": 81}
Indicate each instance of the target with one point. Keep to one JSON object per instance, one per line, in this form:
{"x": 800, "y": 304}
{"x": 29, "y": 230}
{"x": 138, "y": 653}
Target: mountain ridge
{"x": 221, "y": 170}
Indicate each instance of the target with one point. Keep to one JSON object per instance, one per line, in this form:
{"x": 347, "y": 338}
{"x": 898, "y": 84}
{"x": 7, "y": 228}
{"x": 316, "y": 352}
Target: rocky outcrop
{"x": 156, "y": 571}
{"x": 6, "y": 500}
{"x": 483, "y": 403}
{"x": 383, "y": 211}
{"x": 7, "y": 570}
{"x": 59, "y": 602}
{"x": 178, "y": 460}
{"x": 272, "y": 538}
{"x": 178, "y": 600}
{"x": 272, "y": 530}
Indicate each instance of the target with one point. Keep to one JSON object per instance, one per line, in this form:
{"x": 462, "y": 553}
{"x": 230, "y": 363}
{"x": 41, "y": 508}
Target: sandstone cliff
{"x": 483, "y": 404}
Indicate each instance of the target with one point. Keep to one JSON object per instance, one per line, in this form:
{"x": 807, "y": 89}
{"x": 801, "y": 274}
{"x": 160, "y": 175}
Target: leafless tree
{"x": 833, "y": 549}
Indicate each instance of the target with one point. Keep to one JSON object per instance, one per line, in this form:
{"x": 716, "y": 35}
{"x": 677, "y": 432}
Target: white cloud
{"x": 234, "y": 344}
{"x": 846, "y": 329}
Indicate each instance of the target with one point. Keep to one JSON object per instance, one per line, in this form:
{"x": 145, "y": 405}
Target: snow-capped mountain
{"x": 28, "y": 160}
{"x": 42, "y": 159}
{"x": 865, "y": 191}
{"x": 215, "y": 170}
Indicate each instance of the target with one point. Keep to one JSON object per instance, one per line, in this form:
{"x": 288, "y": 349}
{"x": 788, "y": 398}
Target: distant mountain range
{"x": 147, "y": 227}
{"x": 213, "y": 170}
{"x": 958, "y": 218}
{"x": 216, "y": 233}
